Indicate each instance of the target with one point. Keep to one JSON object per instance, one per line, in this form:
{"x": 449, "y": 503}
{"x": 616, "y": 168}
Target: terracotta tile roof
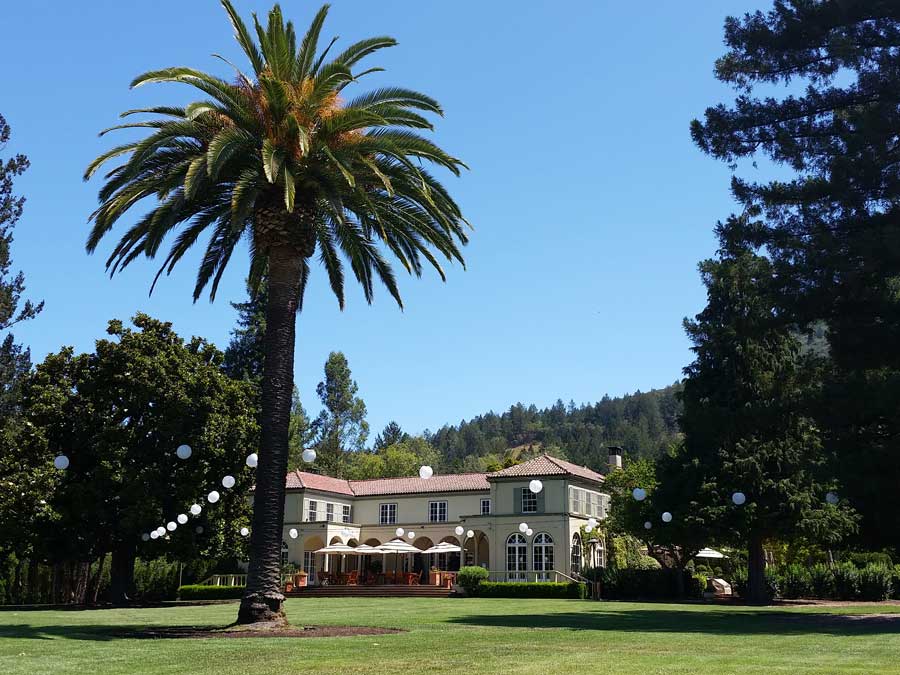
{"x": 545, "y": 465}
{"x": 315, "y": 481}
{"x": 461, "y": 482}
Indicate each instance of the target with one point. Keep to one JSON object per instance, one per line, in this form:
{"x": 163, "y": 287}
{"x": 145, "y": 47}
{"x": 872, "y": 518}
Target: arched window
{"x": 516, "y": 557}
{"x": 576, "y": 553}
{"x": 601, "y": 553}
{"x": 543, "y": 556}
{"x": 284, "y": 553}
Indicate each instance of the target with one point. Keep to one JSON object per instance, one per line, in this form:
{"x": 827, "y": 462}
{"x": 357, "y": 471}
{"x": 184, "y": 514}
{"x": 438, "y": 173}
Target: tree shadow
{"x": 747, "y": 622}
{"x": 97, "y": 633}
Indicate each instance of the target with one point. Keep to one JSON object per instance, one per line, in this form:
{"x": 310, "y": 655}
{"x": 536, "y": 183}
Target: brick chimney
{"x": 615, "y": 458}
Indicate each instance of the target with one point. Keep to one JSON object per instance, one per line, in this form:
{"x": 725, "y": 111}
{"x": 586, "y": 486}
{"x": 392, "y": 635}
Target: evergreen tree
{"x": 832, "y": 230}
{"x": 341, "y": 426}
{"x": 245, "y": 354}
{"x": 15, "y": 360}
{"x": 745, "y": 425}
{"x": 391, "y": 435}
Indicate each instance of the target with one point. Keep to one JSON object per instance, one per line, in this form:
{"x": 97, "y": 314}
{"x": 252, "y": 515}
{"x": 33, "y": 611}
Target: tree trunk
{"x": 263, "y": 600}
{"x": 757, "y": 593}
{"x": 121, "y": 574}
{"x": 94, "y": 586}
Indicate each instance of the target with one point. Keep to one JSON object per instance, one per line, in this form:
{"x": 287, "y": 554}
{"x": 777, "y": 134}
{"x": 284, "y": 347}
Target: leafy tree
{"x": 832, "y": 229}
{"x": 745, "y": 426}
{"x": 392, "y": 434}
{"x": 300, "y": 432}
{"x": 15, "y": 360}
{"x": 118, "y": 414}
{"x": 341, "y": 426}
{"x": 404, "y": 458}
{"x": 280, "y": 157}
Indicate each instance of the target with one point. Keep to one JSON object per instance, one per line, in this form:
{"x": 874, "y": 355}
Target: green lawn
{"x": 464, "y": 636}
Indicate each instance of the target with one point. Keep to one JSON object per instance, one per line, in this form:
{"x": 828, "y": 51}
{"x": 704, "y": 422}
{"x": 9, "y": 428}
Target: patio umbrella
{"x": 443, "y": 547}
{"x": 341, "y": 549}
{"x": 397, "y": 546}
{"x": 710, "y": 553}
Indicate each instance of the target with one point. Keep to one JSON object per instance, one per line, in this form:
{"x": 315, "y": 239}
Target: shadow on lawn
{"x": 96, "y": 633}
{"x": 716, "y": 623}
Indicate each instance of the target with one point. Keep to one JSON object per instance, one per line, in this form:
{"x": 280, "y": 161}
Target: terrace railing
{"x": 531, "y": 576}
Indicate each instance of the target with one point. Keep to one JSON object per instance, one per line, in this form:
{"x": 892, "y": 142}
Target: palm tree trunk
{"x": 263, "y": 600}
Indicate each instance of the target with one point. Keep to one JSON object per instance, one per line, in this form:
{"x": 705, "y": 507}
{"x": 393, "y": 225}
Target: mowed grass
{"x": 464, "y": 636}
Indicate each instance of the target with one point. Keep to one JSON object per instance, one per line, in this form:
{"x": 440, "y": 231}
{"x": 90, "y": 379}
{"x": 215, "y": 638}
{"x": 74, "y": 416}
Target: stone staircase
{"x": 393, "y": 591}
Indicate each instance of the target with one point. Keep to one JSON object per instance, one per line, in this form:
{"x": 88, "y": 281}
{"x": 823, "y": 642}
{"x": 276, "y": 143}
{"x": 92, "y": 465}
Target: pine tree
{"x": 746, "y": 428}
{"x": 832, "y": 229}
{"x": 341, "y": 426}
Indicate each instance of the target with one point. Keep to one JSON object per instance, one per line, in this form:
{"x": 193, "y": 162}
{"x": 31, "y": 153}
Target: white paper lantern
{"x": 212, "y": 497}
{"x": 739, "y": 498}
{"x": 667, "y": 517}
{"x": 171, "y": 525}
{"x": 640, "y": 494}
{"x": 426, "y": 472}
{"x": 145, "y": 537}
{"x": 228, "y": 482}
{"x": 244, "y": 531}
{"x": 529, "y": 532}
{"x": 182, "y": 518}
{"x": 183, "y": 451}
{"x": 61, "y": 462}
{"x": 648, "y": 525}
{"x": 195, "y": 509}
{"x": 160, "y": 531}
{"x": 199, "y": 529}
{"x": 592, "y": 523}
{"x": 309, "y": 455}
{"x": 523, "y": 527}
{"x": 399, "y": 531}
{"x": 459, "y": 530}
{"x": 154, "y": 535}
{"x": 470, "y": 534}
{"x": 292, "y": 533}
{"x": 832, "y": 498}
{"x": 535, "y": 486}
{"x": 252, "y": 460}
{"x": 411, "y": 535}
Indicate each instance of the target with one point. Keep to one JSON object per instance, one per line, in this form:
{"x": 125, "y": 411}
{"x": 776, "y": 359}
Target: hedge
{"x": 198, "y": 592}
{"x": 540, "y": 589}
{"x": 843, "y": 581}
{"x": 650, "y": 584}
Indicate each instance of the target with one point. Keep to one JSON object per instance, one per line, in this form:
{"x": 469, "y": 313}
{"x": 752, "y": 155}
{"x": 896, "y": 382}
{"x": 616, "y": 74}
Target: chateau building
{"x": 324, "y": 511}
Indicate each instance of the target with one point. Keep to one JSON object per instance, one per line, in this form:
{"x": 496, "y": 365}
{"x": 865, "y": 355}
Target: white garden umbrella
{"x": 443, "y": 547}
{"x": 710, "y": 553}
{"x": 397, "y": 546}
{"x": 341, "y": 549}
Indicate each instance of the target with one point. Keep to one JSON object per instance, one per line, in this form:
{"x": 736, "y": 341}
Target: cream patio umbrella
{"x": 710, "y": 553}
{"x": 335, "y": 549}
{"x": 443, "y": 547}
{"x": 397, "y": 546}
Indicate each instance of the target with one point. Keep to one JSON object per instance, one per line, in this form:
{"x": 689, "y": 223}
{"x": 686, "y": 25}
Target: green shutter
{"x": 540, "y": 502}
{"x": 517, "y": 498}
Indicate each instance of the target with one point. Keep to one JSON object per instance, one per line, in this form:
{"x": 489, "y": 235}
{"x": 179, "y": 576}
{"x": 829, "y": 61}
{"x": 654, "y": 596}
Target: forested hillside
{"x": 645, "y": 424}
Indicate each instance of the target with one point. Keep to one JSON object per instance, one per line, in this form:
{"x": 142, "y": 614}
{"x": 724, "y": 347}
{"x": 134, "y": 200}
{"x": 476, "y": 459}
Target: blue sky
{"x": 591, "y": 205}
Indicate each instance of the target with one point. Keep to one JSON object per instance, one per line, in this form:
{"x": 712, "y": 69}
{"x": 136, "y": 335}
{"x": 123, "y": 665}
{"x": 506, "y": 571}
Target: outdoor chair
{"x": 412, "y": 579}
{"x": 353, "y": 578}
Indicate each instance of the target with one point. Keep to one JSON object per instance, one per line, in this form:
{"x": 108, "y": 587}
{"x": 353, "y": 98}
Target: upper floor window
{"x": 345, "y": 513}
{"x": 529, "y": 502}
{"x": 312, "y": 511}
{"x": 329, "y": 513}
{"x": 485, "y": 507}
{"x": 437, "y": 512}
{"x": 387, "y": 514}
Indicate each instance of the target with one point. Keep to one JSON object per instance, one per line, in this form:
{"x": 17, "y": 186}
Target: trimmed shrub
{"x": 198, "y": 592}
{"x": 866, "y": 558}
{"x": 794, "y": 582}
{"x": 846, "y": 581}
{"x": 821, "y": 581}
{"x": 875, "y": 582}
{"x": 522, "y": 589}
{"x": 469, "y": 577}
{"x": 656, "y": 583}
{"x": 896, "y": 582}
{"x": 741, "y": 583}
{"x": 155, "y": 580}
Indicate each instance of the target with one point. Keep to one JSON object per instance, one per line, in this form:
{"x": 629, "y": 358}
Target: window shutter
{"x": 540, "y": 501}
{"x": 517, "y": 497}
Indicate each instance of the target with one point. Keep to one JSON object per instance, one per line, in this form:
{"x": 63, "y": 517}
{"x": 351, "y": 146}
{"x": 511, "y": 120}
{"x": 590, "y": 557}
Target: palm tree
{"x": 282, "y": 159}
